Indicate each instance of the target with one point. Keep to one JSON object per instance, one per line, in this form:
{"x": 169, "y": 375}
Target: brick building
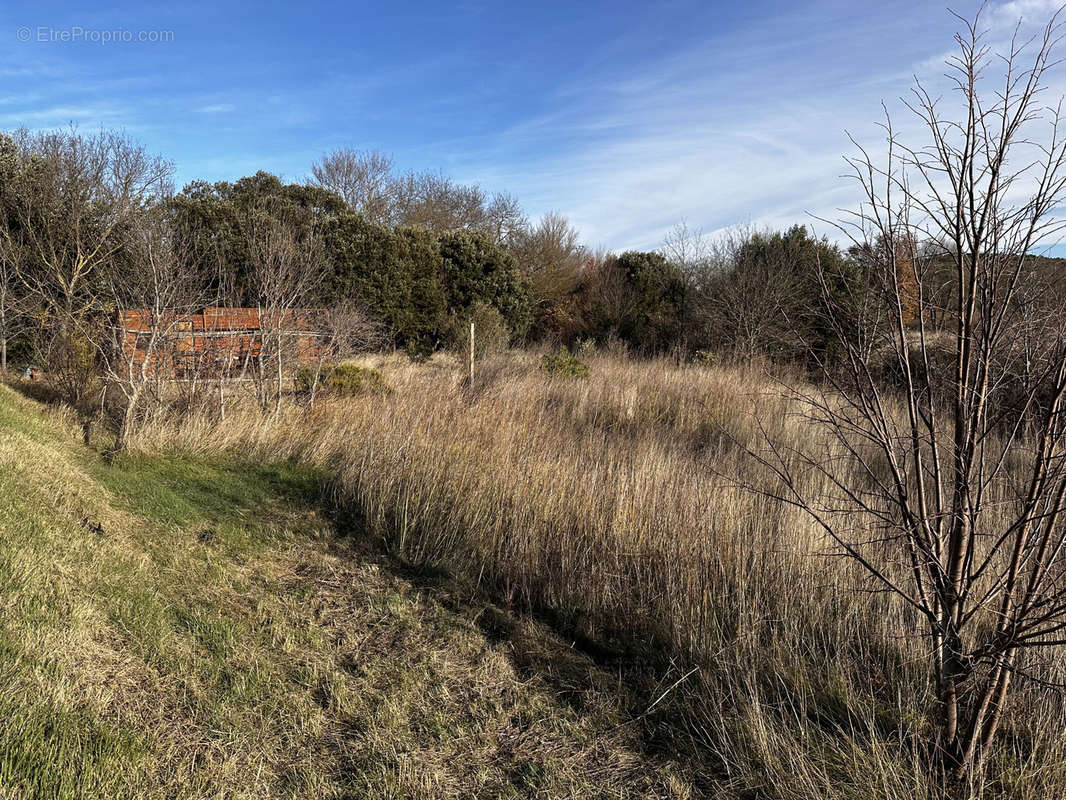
{"x": 216, "y": 341}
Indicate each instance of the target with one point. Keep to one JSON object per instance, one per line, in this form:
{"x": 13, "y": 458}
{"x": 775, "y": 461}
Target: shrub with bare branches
{"x": 961, "y": 505}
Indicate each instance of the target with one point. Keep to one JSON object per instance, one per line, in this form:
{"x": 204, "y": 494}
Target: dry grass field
{"x": 534, "y": 587}
{"x": 611, "y": 508}
{"x": 188, "y": 627}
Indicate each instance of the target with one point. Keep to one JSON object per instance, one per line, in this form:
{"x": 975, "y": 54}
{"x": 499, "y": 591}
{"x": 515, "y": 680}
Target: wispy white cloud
{"x": 762, "y": 142}
{"x": 1027, "y": 11}
{"x": 728, "y": 124}
{"x": 681, "y": 139}
{"x": 216, "y": 108}
{"x": 62, "y": 115}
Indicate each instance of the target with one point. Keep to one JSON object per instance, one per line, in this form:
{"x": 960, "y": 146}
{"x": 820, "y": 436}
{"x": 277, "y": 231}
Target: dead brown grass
{"x": 213, "y": 637}
{"x": 611, "y": 508}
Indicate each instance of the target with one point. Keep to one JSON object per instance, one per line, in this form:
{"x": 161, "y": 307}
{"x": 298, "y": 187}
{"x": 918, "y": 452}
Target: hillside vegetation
{"x": 538, "y": 586}
{"x": 197, "y": 626}
{"x": 614, "y": 509}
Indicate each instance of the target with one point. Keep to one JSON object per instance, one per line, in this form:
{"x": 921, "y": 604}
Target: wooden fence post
{"x": 470, "y": 379}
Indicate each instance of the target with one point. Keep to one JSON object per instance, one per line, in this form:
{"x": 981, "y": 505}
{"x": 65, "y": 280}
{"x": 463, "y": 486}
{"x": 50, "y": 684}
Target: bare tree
{"x": 550, "y": 255}
{"x": 688, "y": 248}
{"x": 965, "y": 495}
{"x": 341, "y": 331}
{"x": 153, "y": 293}
{"x": 285, "y": 269}
{"x": 13, "y": 309}
{"x": 606, "y": 299}
{"x": 752, "y": 291}
{"x": 504, "y": 218}
{"x": 362, "y": 178}
{"x": 74, "y": 201}
{"x": 432, "y": 200}
{"x": 366, "y": 182}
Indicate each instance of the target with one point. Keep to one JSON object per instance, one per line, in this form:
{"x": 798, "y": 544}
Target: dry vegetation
{"x": 189, "y": 627}
{"x": 611, "y": 508}
{"x": 640, "y": 579}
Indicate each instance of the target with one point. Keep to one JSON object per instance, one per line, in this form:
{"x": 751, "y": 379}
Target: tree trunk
{"x": 951, "y": 673}
{"x": 125, "y": 428}
{"x": 277, "y": 398}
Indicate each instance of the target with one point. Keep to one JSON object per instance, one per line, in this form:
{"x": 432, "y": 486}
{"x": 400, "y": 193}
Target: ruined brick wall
{"x": 215, "y": 340}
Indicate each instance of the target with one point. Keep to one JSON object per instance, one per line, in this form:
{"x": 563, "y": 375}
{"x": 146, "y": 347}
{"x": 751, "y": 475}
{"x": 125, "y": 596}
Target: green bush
{"x": 564, "y": 365}
{"x": 491, "y": 334}
{"x": 342, "y": 380}
{"x": 704, "y": 358}
{"x": 477, "y": 270}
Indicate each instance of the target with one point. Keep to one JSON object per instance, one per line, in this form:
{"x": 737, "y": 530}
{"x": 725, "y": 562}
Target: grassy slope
{"x": 180, "y": 628}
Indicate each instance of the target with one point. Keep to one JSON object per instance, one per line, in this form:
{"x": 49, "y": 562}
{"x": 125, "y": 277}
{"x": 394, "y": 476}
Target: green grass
{"x": 179, "y": 627}
{"x": 52, "y": 752}
{"x": 181, "y": 491}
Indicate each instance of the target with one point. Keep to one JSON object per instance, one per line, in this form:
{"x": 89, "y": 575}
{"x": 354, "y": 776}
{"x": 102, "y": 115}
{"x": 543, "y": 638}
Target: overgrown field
{"x": 196, "y": 626}
{"x": 535, "y": 587}
{"x": 609, "y": 507}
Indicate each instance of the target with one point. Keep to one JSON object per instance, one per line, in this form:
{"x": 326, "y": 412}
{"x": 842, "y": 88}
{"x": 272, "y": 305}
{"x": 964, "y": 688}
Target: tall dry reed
{"x": 612, "y": 507}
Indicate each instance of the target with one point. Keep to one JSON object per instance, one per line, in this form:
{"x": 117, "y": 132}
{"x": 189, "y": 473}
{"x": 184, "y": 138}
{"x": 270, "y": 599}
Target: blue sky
{"x": 625, "y": 116}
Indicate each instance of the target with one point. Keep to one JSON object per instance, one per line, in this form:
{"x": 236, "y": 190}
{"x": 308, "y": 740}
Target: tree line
{"x": 91, "y": 224}
{"x": 422, "y": 253}
{"x": 417, "y": 252}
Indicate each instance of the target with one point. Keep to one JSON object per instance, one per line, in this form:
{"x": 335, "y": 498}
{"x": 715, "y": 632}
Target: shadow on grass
{"x": 660, "y": 697}
{"x": 579, "y": 671}
{"x": 181, "y": 490}
{"x": 635, "y": 676}
{"x": 35, "y": 390}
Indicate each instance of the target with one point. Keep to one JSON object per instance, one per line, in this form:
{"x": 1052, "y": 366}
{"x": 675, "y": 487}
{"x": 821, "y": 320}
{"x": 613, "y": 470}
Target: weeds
{"x": 341, "y": 380}
{"x": 564, "y": 365}
{"x": 612, "y": 507}
{"x": 219, "y": 640}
